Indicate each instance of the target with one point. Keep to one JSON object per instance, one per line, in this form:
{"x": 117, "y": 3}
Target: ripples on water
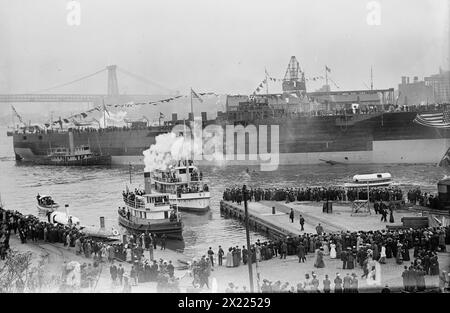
{"x": 96, "y": 191}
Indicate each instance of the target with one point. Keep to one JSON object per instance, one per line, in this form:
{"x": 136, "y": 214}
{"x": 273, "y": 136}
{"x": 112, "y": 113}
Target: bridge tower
{"x": 113, "y": 86}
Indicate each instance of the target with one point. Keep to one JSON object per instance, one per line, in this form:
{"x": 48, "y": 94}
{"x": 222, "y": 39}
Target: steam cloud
{"x": 167, "y": 150}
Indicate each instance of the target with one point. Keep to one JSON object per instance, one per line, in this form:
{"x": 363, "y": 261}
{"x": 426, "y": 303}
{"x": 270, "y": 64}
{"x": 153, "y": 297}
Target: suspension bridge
{"x": 112, "y": 94}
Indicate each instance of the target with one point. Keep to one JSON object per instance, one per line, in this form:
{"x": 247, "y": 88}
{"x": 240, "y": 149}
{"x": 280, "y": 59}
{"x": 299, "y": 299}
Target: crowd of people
{"x": 317, "y": 194}
{"x": 30, "y": 228}
{"x": 363, "y": 249}
{"x": 416, "y": 196}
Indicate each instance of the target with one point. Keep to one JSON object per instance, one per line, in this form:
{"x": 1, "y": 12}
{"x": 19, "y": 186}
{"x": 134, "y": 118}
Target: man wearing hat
{"x": 344, "y": 258}
{"x": 354, "y": 284}
{"x": 338, "y": 284}
{"x": 326, "y": 284}
{"x": 347, "y": 283}
{"x": 315, "y": 284}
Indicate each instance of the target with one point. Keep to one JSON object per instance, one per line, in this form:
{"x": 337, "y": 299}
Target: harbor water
{"x": 92, "y": 192}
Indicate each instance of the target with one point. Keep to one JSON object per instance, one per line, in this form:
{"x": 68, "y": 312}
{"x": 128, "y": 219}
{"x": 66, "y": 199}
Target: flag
{"x": 161, "y": 115}
{"x": 327, "y": 69}
{"x": 195, "y": 95}
{"x": 17, "y": 114}
{"x": 105, "y": 109}
{"x": 438, "y": 120}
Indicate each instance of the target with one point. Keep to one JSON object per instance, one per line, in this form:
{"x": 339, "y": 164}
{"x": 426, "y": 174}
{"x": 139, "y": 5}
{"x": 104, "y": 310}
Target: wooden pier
{"x": 261, "y": 219}
{"x": 278, "y": 225}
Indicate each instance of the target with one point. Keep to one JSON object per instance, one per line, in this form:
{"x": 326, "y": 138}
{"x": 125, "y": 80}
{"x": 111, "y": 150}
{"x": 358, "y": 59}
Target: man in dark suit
{"x": 302, "y": 223}
{"x": 120, "y": 272}
{"x": 344, "y": 258}
{"x": 113, "y": 272}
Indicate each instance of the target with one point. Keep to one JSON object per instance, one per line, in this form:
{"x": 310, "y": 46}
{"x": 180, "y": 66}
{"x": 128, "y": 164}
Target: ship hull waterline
{"x": 173, "y": 230}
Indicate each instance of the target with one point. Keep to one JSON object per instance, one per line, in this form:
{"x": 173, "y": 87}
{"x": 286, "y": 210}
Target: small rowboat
{"x": 370, "y": 180}
{"x": 46, "y": 204}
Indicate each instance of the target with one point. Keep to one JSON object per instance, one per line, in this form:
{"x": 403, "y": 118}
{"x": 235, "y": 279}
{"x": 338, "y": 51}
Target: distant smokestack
{"x": 403, "y": 80}
{"x": 203, "y": 116}
{"x": 147, "y": 182}
{"x": 174, "y": 117}
{"x": 191, "y": 116}
{"x": 102, "y": 222}
{"x": 416, "y": 79}
{"x": 71, "y": 145}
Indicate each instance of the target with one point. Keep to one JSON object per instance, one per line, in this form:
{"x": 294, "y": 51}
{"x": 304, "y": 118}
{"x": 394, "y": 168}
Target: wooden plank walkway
{"x": 261, "y": 219}
{"x": 278, "y": 225}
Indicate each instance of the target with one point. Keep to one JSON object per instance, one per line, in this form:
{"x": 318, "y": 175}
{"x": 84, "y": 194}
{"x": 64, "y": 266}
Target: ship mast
{"x": 327, "y": 87}
{"x": 371, "y": 79}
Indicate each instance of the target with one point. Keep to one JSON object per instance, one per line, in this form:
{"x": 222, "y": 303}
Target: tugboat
{"x": 152, "y": 212}
{"x": 185, "y": 185}
{"x": 78, "y": 156}
{"x": 45, "y": 204}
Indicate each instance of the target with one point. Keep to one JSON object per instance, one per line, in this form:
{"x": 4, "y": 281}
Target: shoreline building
{"x": 440, "y": 84}
{"x": 415, "y": 92}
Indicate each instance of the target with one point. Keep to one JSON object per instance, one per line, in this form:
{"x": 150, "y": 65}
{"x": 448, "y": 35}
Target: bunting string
{"x": 100, "y": 108}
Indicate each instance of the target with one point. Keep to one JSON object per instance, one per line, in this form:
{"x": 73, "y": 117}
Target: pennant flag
{"x": 261, "y": 85}
{"x": 327, "y": 69}
{"x": 47, "y": 125}
{"x": 195, "y": 95}
{"x": 106, "y": 110}
{"x": 161, "y": 115}
{"x": 17, "y": 114}
{"x": 438, "y": 120}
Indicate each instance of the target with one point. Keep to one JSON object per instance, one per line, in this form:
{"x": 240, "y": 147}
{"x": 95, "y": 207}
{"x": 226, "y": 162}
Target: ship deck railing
{"x": 138, "y": 220}
{"x": 136, "y": 203}
{"x": 177, "y": 180}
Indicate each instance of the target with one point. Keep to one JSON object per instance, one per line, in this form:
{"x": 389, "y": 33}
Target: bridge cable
{"x": 71, "y": 82}
{"x": 144, "y": 80}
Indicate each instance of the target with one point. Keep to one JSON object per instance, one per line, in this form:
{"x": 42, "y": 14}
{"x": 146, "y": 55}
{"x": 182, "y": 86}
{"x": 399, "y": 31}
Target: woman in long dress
{"x": 229, "y": 262}
{"x": 258, "y": 253}
{"x": 338, "y": 250}
{"x": 333, "y": 251}
{"x": 326, "y": 249}
{"x": 319, "y": 259}
{"x": 383, "y": 254}
{"x": 399, "y": 256}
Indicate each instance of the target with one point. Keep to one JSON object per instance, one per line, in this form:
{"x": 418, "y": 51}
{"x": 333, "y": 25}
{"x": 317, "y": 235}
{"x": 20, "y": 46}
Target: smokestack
{"x": 71, "y": 145}
{"x": 191, "y": 116}
{"x": 147, "y": 183}
{"x": 416, "y": 79}
{"x": 174, "y": 117}
{"x": 403, "y": 80}
{"x": 102, "y": 222}
{"x": 203, "y": 116}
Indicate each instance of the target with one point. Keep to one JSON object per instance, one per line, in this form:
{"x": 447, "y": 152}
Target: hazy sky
{"x": 218, "y": 45}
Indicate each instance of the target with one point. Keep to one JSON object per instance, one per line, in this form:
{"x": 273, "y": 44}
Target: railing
{"x": 136, "y": 203}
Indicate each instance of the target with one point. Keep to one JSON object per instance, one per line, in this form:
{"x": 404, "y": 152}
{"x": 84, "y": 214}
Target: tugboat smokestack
{"x": 147, "y": 182}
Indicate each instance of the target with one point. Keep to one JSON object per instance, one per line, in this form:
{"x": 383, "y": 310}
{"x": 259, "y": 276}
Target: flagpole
{"x": 192, "y": 107}
{"x": 267, "y": 84}
{"x": 104, "y": 113}
{"x": 328, "y": 88}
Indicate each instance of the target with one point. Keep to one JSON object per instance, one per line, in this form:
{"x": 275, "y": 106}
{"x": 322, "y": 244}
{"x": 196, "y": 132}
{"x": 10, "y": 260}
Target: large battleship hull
{"x": 358, "y": 139}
